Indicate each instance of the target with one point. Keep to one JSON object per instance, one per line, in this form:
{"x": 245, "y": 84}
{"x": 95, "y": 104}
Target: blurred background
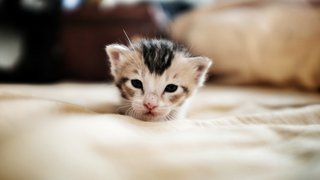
{"x": 251, "y": 41}
{"x": 52, "y": 40}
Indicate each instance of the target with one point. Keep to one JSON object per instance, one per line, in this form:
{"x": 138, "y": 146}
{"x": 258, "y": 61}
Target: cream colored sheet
{"x": 70, "y": 131}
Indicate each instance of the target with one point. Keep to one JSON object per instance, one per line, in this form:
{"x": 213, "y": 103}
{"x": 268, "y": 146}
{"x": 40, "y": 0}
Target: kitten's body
{"x": 155, "y": 78}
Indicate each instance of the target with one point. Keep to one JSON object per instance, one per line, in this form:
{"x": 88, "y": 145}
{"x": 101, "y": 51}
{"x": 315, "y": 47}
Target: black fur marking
{"x": 158, "y": 54}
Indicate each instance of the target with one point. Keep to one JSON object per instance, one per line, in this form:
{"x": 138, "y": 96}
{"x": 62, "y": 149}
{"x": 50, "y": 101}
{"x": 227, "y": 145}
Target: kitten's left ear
{"x": 116, "y": 54}
{"x": 201, "y": 66}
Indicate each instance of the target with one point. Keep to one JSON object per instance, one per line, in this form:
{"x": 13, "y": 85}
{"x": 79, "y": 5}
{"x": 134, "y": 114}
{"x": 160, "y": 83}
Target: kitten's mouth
{"x": 152, "y": 116}
{"x": 149, "y": 113}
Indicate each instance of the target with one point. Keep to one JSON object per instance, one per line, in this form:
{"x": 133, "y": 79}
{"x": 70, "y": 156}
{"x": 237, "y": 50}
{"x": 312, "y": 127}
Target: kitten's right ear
{"x": 201, "y": 66}
{"x": 116, "y": 54}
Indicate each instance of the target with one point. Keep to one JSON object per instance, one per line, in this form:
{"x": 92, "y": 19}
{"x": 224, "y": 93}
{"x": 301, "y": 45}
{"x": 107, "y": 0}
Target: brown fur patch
{"x": 128, "y": 92}
{"x": 175, "y": 76}
{"x": 176, "y": 98}
{"x": 121, "y": 81}
{"x": 123, "y": 95}
{"x": 185, "y": 90}
{"x": 135, "y": 71}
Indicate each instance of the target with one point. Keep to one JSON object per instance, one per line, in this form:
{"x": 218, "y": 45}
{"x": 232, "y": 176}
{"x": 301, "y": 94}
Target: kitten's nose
{"x": 150, "y": 101}
{"x": 150, "y": 106}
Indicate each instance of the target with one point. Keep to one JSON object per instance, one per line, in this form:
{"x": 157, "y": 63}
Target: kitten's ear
{"x": 201, "y": 66}
{"x": 116, "y": 54}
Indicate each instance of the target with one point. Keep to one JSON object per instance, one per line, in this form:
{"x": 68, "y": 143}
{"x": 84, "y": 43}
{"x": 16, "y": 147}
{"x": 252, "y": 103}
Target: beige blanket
{"x": 70, "y": 131}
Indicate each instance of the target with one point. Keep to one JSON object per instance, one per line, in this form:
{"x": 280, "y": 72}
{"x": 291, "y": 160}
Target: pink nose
{"x": 150, "y": 106}
{"x": 150, "y": 101}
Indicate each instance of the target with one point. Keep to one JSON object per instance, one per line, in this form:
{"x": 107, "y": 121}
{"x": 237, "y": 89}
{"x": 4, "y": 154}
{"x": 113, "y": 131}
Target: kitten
{"x": 155, "y": 78}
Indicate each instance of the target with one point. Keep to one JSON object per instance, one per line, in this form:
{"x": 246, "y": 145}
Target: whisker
{"x": 131, "y": 44}
{"x": 123, "y": 107}
{"x": 128, "y": 38}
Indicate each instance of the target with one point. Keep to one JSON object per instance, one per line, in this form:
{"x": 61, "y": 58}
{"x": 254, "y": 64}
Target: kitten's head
{"x": 155, "y": 77}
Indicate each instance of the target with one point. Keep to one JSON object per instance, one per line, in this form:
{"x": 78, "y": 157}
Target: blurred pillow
{"x": 264, "y": 43}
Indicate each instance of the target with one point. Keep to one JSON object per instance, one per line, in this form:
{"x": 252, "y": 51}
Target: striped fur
{"x": 158, "y": 54}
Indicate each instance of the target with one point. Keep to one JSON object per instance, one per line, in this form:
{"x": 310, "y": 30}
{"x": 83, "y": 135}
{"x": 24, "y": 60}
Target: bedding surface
{"x": 72, "y": 131}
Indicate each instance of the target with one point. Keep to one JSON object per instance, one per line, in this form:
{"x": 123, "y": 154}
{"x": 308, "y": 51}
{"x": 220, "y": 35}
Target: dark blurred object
{"x": 44, "y": 41}
{"x": 28, "y": 40}
{"x": 87, "y": 30}
{"x": 175, "y": 8}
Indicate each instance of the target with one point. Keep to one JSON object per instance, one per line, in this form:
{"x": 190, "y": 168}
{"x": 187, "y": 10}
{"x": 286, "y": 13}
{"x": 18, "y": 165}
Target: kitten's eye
{"x": 136, "y": 83}
{"x": 171, "y": 88}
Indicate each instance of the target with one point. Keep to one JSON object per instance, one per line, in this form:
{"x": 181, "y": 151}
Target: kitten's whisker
{"x": 169, "y": 117}
{"x": 128, "y": 39}
{"x": 128, "y": 111}
{"x": 126, "y": 100}
{"x": 133, "y": 113}
{"x": 172, "y": 115}
{"x": 122, "y": 107}
{"x": 134, "y": 50}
